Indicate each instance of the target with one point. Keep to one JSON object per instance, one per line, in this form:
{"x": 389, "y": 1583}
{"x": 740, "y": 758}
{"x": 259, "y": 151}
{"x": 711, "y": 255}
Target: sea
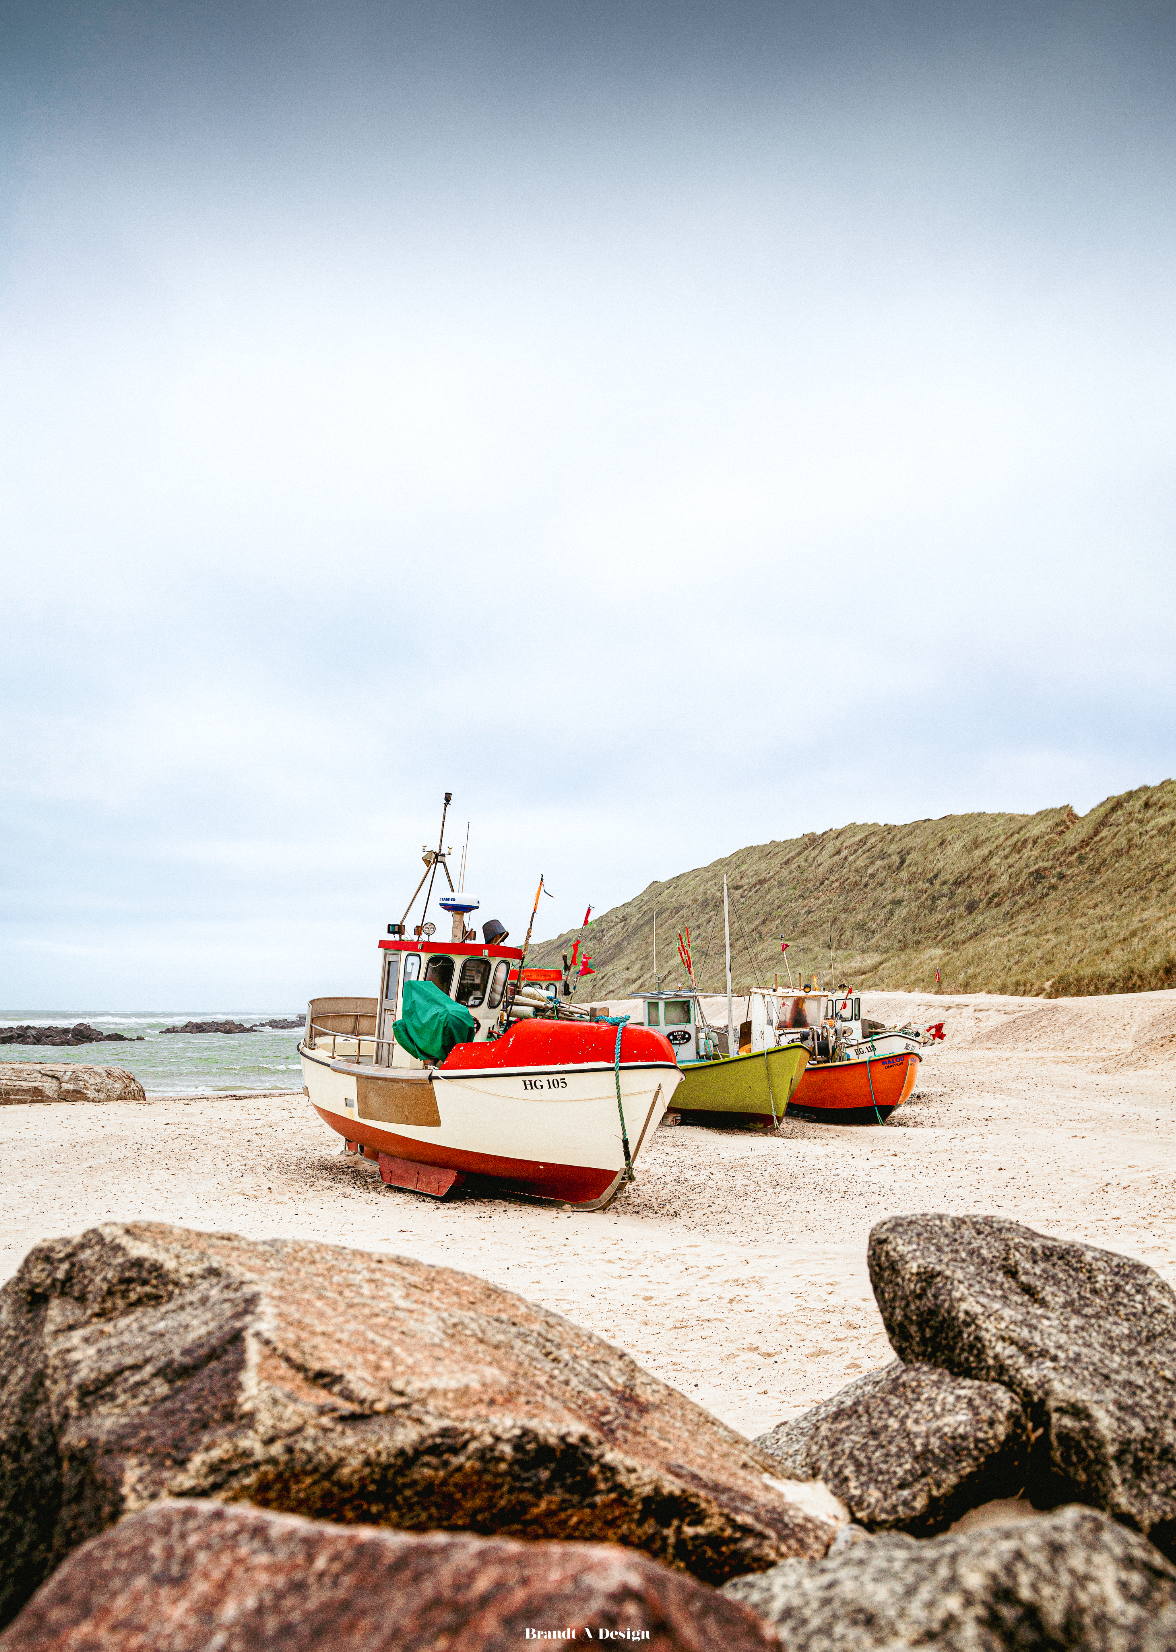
{"x": 174, "y": 1063}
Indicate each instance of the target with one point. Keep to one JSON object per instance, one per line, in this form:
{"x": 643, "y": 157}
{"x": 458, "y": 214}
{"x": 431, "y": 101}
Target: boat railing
{"x": 354, "y": 1039}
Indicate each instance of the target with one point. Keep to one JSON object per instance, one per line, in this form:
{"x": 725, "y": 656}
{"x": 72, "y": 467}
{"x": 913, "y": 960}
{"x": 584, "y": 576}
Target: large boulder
{"x": 908, "y": 1447}
{"x": 192, "y": 1575}
{"x": 1084, "y": 1338}
{"x": 1072, "y": 1579}
{"x": 26, "y": 1081}
{"x": 141, "y": 1361}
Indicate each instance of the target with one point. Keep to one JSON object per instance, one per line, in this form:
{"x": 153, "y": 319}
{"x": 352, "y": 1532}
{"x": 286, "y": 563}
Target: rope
{"x": 771, "y": 1093}
{"x": 870, "y": 1076}
{"x": 619, "y": 1022}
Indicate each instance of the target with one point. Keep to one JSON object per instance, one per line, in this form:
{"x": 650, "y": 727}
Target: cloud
{"x": 663, "y": 433}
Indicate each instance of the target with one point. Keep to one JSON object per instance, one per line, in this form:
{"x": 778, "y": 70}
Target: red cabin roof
{"x": 462, "y": 949}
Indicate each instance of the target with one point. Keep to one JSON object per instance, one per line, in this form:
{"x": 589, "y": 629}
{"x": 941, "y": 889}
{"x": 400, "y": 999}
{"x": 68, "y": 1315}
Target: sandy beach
{"x": 735, "y": 1268}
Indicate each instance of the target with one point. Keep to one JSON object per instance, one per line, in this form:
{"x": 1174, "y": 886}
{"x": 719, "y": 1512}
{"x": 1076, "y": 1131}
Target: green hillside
{"x": 1052, "y": 904}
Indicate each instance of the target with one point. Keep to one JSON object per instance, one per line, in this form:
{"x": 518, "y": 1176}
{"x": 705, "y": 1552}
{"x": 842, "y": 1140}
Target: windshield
{"x": 439, "y": 970}
{"x": 471, "y": 983}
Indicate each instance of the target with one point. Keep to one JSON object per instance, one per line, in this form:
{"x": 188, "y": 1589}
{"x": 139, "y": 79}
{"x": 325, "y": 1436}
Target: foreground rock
{"x": 189, "y": 1575}
{"x": 28, "y": 1081}
{"x": 80, "y": 1033}
{"x": 144, "y": 1361}
{"x": 909, "y": 1447}
{"x": 1085, "y": 1339}
{"x": 211, "y": 1027}
{"x": 1072, "y": 1579}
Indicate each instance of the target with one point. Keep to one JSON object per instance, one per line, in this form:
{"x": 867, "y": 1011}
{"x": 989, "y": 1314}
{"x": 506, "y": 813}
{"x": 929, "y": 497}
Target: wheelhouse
{"x": 360, "y": 1029}
{"x": 675, "y": 1016}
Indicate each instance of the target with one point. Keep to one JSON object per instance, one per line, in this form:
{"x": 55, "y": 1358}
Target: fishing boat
{"x": 744, "y": 1081}
{"x": 461, "y": 1070}
{"x": 861, "y": 1070}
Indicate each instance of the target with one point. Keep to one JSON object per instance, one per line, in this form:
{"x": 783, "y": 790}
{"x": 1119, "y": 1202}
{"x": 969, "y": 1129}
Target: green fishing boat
{"x": 738, "y": 1075}
{"x": 752, "y": 1089}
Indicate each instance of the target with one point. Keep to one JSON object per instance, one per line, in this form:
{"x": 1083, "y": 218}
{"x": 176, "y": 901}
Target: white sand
{"x": 736, "y": 1267}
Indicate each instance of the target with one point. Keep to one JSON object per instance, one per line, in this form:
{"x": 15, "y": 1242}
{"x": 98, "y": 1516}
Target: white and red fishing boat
{"x": 462, "y": 1068}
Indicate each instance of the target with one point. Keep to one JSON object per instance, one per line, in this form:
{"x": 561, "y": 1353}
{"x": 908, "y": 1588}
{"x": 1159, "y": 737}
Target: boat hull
{"x": 749, "y": 1089}
{"x": 549, "y": 1131}
{"x": 854, "y": 1092}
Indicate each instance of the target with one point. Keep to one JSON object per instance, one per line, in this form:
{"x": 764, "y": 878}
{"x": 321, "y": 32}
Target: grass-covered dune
{"x": 1054, "y": 904}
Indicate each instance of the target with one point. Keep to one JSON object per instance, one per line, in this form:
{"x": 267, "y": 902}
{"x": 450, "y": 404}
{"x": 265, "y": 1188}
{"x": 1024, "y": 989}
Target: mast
{"x": 656, "y": 976}
{"x": 732, "y": 1047}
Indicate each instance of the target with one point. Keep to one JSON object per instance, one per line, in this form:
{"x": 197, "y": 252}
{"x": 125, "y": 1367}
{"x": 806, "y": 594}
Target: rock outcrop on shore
{"x": 140, "y": 1361}
{"x": 909, "y": 1448}
{"x": 22, "y": 1082}
{"x": 80, "y": 1033}
{"x": 1085, "y": 1338}
{"x": 250, "y": 1581}
{"x": 210, "y": 1027}
{"x": 1073, "y": 1579}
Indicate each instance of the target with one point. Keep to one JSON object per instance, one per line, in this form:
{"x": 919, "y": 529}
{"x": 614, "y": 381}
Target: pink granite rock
{"x": 186, "y": 1576}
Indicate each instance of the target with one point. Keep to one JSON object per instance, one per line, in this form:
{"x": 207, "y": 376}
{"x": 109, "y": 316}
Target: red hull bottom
{"x": 571, "y": 1184}
{"x": 854, "y": 1092}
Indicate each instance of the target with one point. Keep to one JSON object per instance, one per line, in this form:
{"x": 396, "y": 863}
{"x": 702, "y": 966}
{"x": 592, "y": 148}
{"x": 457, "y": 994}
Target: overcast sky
{"x": 668, "y": 427}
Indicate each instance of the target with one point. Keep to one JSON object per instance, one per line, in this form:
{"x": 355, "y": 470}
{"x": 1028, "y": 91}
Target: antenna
{"x": 465, "y": 851}
{"x": 438, "y": 856}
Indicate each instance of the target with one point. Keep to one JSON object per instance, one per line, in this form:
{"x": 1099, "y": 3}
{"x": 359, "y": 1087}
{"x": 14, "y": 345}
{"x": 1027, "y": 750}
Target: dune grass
{"x": 1052, "y": 904}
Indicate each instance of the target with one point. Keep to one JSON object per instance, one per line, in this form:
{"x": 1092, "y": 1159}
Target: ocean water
{"x": 175, "y": 1063}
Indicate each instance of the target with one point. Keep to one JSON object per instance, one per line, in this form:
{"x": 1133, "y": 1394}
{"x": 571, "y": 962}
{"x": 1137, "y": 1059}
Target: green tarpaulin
{"x": 432, "y": 1023}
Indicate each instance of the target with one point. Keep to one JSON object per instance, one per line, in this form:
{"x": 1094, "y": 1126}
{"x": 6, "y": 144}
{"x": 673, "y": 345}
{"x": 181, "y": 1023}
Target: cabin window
{"x": 412, "y": 966}
{"x": 439, "y": 970}
{"x": 471, "y": 983}
{"x": 678, "y": 1012}
{"x": 857, "y": 1009}
{"x": 391, "y": 976}
{"x": 653, "y": 1014}
{"x": 498, "y": 985}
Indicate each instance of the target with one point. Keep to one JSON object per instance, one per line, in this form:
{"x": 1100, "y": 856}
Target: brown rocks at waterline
{"x": 188, "y": 1574}
{"x": 80, "y": 1033}
{"x": 142, "y": 1361}
{"x": 210, "y": 1027}
{"x": 48, "y": 1081}
{"x": 1070, "y": 1580}
{"x": 1085, "y": 1338}
{"x": 909, "y": 1447}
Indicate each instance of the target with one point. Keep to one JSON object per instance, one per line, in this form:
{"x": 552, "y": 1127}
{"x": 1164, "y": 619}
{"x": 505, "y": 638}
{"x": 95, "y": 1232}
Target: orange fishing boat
{"x": 865, "y": 1091}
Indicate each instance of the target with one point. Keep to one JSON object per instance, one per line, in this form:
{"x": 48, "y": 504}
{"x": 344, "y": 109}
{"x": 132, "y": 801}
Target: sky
{"x": 664, "y": 427}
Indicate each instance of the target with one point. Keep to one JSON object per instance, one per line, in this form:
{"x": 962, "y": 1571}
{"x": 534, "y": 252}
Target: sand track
{"x": 735, "y": 1268}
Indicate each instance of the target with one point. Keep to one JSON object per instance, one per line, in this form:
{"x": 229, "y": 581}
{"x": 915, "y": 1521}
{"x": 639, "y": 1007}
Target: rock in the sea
{"x": 26, "y": 1081}
{"x": 141, "y": 1361}
{"x": 1086, "y": 1339}
{"x": 80, "y": 1033}
{"x": 193, "y": 1575}
{"x": 1072, "y": 1579}
{"x": 909, "y": 1447}
{"x": 211, "y": 1027}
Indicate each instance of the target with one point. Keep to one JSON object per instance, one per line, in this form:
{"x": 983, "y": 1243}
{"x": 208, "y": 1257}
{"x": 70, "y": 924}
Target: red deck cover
{"x": 563, "y": 1044}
